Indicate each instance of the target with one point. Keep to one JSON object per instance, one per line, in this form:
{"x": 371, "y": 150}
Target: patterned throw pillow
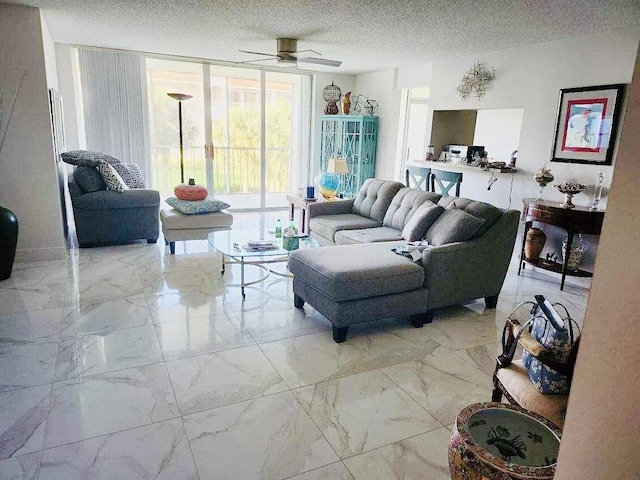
{"x": 558, "y": 344}
{"x": 131, "y": 174}
{"x": 189, "y": 207}
{"x": 111, "y": 178}
{"x": 86, "y": 158}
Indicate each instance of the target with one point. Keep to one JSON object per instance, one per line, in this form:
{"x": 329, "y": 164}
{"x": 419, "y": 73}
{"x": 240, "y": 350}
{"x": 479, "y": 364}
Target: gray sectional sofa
{"x": 359, "y": 278}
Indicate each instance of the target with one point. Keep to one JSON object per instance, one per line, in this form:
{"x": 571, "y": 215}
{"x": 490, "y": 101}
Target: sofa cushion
{"x": 404, "y": 204}
{"x": 327, "y": 225}
{"x": 174, "y": 220}
{"x": 487, "y": 212}
{"x": 199, "y": 207}
{"x": 89, "y": 179}
{"x": 131, "y": 174}
{"x": 350, "y": 272}
{"x": 367, "y": 235}
{"x": 453, "y": 225}
{"x": 374, "y": 198}
{"x": 421, "y": 220}
{"x": 87, "y": 158}
{"x": 515, "y": 380}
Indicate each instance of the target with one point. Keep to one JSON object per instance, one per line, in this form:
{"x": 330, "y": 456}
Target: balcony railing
{"x": 236, "y": 170}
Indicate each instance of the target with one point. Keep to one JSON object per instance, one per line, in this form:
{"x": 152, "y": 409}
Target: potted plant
{"x": 8, "y": 220}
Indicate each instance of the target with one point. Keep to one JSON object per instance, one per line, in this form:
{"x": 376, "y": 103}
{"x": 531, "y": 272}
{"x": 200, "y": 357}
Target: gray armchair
{"x": 104, "y": 216}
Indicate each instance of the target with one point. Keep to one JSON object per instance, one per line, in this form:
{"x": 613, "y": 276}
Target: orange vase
{"x": 534, "y": 243}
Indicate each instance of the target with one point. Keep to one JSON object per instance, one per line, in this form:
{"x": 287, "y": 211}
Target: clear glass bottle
{"x": 597, "y": 193}
{"x": 292, "y": 230}
{"x": 278, "y": 228}
{"x": 578, "y": 249}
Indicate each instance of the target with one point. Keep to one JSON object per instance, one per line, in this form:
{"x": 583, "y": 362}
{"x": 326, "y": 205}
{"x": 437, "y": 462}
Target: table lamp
{"x": 329, "y": 180}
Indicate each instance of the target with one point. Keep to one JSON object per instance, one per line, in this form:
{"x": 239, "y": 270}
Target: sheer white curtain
{"x": 114, "y": 105}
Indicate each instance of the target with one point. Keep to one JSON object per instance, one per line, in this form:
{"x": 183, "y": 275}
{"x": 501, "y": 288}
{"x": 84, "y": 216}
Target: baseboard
{"x": 40, "y": 254}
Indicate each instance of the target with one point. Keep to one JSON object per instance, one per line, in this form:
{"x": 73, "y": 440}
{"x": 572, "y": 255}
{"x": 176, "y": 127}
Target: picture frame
{"x": 587, "y": 124}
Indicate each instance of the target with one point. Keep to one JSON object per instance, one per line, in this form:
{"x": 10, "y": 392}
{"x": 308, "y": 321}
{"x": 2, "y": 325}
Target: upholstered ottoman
{"x": 352, "y": 284}
{"x": 177, "y": 226}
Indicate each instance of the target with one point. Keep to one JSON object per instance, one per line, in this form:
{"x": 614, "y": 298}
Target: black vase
{"x": 8, "y": 241}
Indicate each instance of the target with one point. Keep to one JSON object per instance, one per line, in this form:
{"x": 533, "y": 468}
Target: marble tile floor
{"x": 128, "y": 363}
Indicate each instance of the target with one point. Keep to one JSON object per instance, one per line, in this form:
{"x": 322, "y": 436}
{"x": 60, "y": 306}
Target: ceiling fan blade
{"x": 320, "y": 61}
{"x": 259, "y": 53}
{"x": 275, "y": 58}
{"x": 304, "y": 53}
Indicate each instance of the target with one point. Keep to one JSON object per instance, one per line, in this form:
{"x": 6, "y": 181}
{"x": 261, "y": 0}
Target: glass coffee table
{"x": 231, "y": 243}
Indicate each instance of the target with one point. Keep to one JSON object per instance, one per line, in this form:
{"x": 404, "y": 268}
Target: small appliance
{"x": 458, "y": 153}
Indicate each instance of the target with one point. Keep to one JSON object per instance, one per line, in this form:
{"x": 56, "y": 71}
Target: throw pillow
{"x": 89, "y": 179}
{"x": 112, "y": 178}
{"x": 453, "y": 225}
{"x": 189, "y": 207}
{"x": 86, "y": 158}
{"x": 131, "y": 174}
{"x": 420, "y": 221}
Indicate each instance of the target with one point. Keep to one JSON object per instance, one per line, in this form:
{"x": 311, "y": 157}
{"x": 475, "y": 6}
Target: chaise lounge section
{"x": 358, "y": 278}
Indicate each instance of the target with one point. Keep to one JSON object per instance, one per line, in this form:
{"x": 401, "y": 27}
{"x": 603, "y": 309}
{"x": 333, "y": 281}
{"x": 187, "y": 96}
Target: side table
{"x": 303, "y": 204}
{"x": 572, "y": 220}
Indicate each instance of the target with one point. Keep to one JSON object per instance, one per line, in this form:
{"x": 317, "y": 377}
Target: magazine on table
{"x": 260, "y": 245}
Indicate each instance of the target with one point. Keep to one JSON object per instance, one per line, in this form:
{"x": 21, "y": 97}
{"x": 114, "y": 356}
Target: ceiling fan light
{"x": 287, "y": 62}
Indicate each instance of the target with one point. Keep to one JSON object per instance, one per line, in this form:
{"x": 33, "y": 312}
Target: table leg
{"x": 521, "y": 263}
{"x": 304, "y": 216}
{"x": 242, "y": 277}
{"x": 291, "y": 210}
{"x": 224, "y": 264}
{"x": 567, "y": 254}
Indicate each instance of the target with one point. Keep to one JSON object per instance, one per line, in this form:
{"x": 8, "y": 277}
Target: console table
{"x": 572, "y": 220}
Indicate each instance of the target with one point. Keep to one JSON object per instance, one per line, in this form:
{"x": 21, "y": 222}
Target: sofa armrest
{"x": 106, "y": 199}
{"x": 333, "y": 207}
{"x": 462, "y": 271}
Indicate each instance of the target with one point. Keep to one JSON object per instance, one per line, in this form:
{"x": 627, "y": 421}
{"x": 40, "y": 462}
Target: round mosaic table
{"x": 497, "y": 441}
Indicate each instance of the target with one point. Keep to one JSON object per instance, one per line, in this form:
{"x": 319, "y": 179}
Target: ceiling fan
{"x": 288, "y": 55}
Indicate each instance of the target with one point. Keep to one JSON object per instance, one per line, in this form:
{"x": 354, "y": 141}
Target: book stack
{"x": 260, "y": 245}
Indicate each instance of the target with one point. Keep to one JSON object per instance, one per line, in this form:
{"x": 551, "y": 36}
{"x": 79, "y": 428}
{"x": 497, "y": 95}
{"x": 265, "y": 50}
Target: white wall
{"x": 28, "y": 181}
{"x": 531, "y": 78}
{"x": 499, "y": 132}
{"x": 601, "y": 436}
{"x": 49, "y": 55}
{"x": 380, "y": 86}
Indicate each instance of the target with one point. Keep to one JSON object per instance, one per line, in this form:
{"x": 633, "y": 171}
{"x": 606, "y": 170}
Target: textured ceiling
{"x": 365, "y": 35}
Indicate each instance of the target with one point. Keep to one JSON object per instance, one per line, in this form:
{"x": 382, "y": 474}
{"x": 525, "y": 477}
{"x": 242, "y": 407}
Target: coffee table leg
{"x": 242, "y": 276}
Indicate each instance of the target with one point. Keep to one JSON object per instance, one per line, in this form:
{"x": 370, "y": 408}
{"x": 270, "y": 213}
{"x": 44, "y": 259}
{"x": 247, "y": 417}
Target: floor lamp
{"x": 181, "y": 97}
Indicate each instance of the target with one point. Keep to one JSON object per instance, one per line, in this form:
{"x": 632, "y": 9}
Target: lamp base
{"x": 329, "y": 183}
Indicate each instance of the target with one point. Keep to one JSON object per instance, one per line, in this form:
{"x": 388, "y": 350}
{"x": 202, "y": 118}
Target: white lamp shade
{"x": 337, "y": 165}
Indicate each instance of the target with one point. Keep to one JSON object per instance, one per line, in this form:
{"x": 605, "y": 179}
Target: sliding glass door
{"x": 236, "y": 112}
{"x": 249, "y": 129}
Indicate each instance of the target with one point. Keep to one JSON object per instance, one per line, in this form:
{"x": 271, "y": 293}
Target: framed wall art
{"x": 587, "y": 124}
